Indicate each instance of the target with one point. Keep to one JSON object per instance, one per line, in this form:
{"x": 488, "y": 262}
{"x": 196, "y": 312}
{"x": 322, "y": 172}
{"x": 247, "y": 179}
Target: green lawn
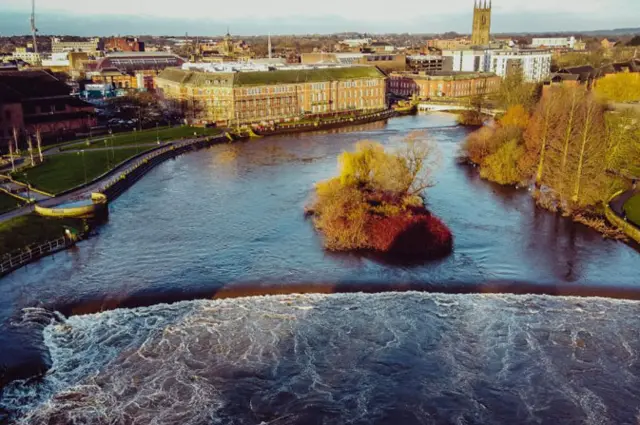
{"x": 632, "y": 208}
{"x": 65, "y": 171}
{"x": 20, "y": 232}
{"x": 143, "y": 137}
{"x": 8, "y": 203}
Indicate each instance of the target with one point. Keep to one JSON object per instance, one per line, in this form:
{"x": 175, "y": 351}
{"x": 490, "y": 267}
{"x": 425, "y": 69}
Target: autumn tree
{"x": 620, "y": 87}
{"x": 514, "y": 90}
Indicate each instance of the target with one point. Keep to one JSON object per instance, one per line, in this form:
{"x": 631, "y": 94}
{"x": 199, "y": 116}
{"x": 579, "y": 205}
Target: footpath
{"x": 97, "y": 185}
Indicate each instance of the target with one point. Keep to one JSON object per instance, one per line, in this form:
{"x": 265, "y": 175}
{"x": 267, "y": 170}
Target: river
{"x": 229, "y": 219}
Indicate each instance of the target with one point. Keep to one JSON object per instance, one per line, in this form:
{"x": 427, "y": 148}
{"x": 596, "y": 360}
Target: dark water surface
{"x": 220, "y": 218}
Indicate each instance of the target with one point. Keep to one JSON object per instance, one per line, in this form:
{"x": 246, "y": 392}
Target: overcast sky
{"x": 295, "y": 16}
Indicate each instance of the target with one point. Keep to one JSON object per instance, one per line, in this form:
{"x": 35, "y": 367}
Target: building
{"x": 132, "y": 70}
{"x": 607, "y": 44}
{"x": 429, "y": 63}
{"x": 468, "y": 60}
{"x": 443, "y": 84}
{"x": 481, "y": 35}
{"x": 380, "y": 47}
{"x": 449, "y": 44}
{"x": 36, "y": 100}
{"x": 386, "y": 62}
{"x": 28, "y": 55}
{"x": 535, "y": 65}
{"x": 123, "y": 44}
{"x": 554, "y": 42}
{"x": 226, "y": 50}
{"x": 92, "y": 45}
{"x": 230, "y": 94}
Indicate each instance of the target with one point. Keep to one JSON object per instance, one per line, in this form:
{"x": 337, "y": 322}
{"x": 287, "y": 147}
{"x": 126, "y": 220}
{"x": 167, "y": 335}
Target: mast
{"x": 34, "y": 30}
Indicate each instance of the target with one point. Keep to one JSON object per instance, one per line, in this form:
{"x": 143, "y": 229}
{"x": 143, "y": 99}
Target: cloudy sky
{"x": 84, "y": 17}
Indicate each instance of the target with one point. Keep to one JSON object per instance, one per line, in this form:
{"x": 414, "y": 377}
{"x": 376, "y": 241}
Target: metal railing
{"x": 17, "y": 260}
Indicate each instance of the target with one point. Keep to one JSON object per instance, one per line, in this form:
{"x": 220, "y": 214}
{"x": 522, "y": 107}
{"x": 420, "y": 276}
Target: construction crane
{"x": 34, "y": 30}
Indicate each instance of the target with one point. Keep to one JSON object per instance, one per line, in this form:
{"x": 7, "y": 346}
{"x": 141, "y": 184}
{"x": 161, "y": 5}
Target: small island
{"x": 377, "y": 203}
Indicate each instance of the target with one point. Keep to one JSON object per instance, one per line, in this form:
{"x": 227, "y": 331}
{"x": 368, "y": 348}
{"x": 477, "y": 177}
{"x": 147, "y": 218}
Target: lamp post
{"x": 26, "y": 179}
{"x": 84, "y": 166}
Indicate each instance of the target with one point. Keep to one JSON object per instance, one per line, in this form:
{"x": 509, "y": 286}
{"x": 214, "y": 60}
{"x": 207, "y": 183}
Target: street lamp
{"x": 84, "y": 166}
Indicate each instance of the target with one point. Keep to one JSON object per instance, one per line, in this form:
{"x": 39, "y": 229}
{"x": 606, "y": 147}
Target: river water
{"x": 229, "y": 221}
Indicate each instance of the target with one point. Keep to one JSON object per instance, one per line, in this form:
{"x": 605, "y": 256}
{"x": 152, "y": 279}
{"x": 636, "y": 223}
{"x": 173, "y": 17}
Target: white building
{"x": 356, "y": 42}
{"x": 92, "y": 45}
{"x": 535, "y": 65}
{"x": 468, "y": 60}
{"x": 554, "y": 42}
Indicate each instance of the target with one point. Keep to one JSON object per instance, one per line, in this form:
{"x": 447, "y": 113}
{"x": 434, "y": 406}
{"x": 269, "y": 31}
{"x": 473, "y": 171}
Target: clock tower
{"x": 481, "y": 35}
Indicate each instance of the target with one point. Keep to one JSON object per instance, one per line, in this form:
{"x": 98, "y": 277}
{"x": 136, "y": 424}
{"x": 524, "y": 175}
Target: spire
{"x": 475, "y": 4}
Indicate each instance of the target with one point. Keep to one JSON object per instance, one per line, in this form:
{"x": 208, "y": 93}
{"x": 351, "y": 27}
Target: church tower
{"x": 481, "y": 35}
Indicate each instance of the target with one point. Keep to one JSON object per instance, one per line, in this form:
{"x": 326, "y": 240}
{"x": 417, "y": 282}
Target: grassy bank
{"x": 8, "y": 203}
{"x": 632, "y": 209}
{"x": 65, "y": 171}
{"x": 21, "y": 232}
{"x": 148, "y": 136}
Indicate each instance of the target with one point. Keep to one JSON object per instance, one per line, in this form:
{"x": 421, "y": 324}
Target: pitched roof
{"x": 259, "y": 78}
{"x": 293, "y": 76}
{"x": 19, "y": 85}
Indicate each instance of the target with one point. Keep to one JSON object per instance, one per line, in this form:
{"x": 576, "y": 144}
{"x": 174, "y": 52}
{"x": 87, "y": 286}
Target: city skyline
{"x": 295, "y": 18}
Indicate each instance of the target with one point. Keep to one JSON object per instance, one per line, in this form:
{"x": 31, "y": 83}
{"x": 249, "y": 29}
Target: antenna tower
{"x": 34, "y": 30}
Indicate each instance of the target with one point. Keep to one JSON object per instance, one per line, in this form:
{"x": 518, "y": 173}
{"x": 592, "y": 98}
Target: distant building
{"x": 28, "y": 55}
{"x": 554, "y": 42}
{"x": 36, "y": 100}
{"x": 132, "y": 70}
{"x": 468, "y": 60}
{"x": 449, "y": 44}
{"x": 230, "y": 95}
{"x": 443, "y": 84}
{"x": 607, "y": 44}
{"x": 380, "y": 47}
{"x": 481, "y": 34}
{"x": 226, "y": 50}
{"x": 356, "y": 43}
{"x": 92, "y": 45}
{"x": 535, "y": 65}
{"x": 386, "y": 62}
{"x": 429, "y": 63}
{"x": 123, "y": 44}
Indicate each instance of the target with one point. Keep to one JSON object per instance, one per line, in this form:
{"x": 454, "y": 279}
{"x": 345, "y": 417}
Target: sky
{"x": 251, "y": 17}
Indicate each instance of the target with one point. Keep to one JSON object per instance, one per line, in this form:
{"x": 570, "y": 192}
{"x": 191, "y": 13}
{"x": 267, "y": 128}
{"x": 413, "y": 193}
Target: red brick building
{"x": 36, "y": 100}
{"x": 123, "y": 44}
{"x": 443, "y": 84}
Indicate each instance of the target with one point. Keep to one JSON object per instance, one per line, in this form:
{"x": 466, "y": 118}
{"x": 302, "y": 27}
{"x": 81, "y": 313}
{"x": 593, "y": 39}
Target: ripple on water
{"x": 351, "y": 358}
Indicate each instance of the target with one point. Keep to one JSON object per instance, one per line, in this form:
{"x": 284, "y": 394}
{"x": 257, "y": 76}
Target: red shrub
{"x": 414, "y": 235}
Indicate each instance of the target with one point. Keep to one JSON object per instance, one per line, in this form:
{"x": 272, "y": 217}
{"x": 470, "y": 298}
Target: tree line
{"x": 566, "y": 142}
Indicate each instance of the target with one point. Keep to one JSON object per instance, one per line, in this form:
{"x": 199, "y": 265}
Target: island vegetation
{"x": 567, "y": 144}
{"x": 377, "y": 202}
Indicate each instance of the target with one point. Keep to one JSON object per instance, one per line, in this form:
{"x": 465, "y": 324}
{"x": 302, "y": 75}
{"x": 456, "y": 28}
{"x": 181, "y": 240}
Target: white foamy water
{"x": 388, "y": 358}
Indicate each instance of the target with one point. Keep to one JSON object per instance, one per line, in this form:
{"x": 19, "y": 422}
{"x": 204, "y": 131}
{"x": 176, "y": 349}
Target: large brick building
{"x": 36, "y": 100}
{"x": 123, "y": 44}
{"x": 443, "y": 84}
{"x": 132, "y": 70}
{"x": 244, "y": 97}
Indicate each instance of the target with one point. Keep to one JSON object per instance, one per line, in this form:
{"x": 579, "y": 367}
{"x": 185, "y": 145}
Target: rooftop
{"x": 285, "y": 75}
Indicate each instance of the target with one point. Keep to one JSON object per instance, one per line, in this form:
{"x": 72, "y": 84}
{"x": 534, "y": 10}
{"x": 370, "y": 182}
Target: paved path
{"x": 95, "y": 186}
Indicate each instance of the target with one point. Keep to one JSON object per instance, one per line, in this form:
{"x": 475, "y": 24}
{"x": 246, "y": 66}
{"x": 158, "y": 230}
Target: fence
{"x": 19, "y": 260}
